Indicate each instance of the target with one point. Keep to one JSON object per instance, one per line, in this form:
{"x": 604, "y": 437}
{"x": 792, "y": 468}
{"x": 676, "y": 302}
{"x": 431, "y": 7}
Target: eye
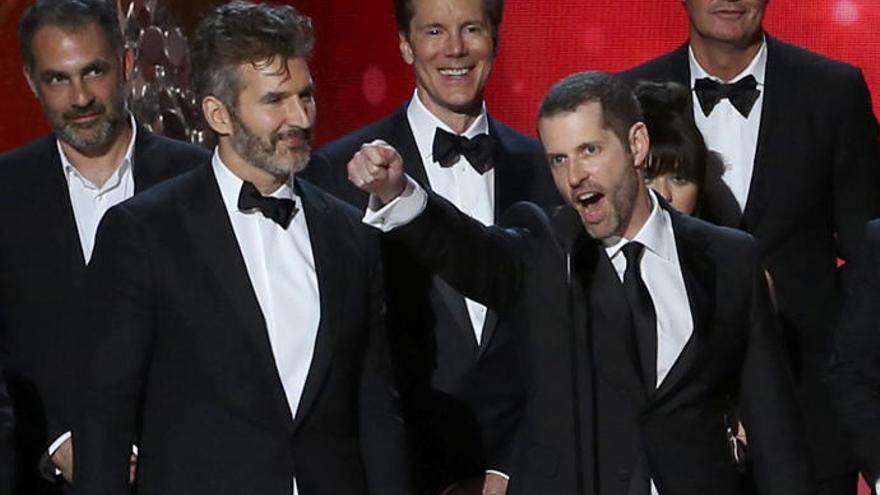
{"x": 432, "y": 31}
{"x": 592, "y": 149}
{"x": 56, "y": 79}
{"x": 94, "y": 72}
{"x": 473, "y": 28}
{"x": 680, "y": 180}
{"x": 556, "y": 160}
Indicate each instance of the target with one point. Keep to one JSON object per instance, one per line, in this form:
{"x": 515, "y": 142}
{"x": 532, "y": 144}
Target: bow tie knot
{"x": 742, "y": 94}
{"x": 448, "y": 148}
{"x": 280, "y": 211}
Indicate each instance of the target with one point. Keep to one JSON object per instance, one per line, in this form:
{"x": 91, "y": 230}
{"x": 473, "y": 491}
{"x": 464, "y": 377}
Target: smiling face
{"x": 451, "y": 48}
{"x": 272, "y": 124}
{"x": 78, "y": 80}
{"x": 595, "y": 172}
{"x": 735, "y": 22}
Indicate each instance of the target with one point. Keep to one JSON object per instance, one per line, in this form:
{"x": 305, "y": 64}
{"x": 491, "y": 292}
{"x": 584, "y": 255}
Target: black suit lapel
{"x": 614, "y": 348}
{"x": 147, "y": 168}
{"x": 57, "y": 214}
{"x": 205, "y": 217}
{"x": 330, "y": 267}
{"x": 773, "y": 129}
{"x": 699, "y": 279}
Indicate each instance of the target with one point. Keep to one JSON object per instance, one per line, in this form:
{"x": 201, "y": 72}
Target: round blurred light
{"x": 374, "y": 85}
{"x": 846, "y": 12}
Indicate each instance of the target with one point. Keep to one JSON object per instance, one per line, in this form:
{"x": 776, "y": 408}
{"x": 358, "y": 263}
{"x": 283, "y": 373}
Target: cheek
{"x": 684, "y": 198}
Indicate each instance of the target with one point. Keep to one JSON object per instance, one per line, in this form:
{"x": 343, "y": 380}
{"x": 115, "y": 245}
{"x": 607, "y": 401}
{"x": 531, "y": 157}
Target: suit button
{"x": 623, "y": 474}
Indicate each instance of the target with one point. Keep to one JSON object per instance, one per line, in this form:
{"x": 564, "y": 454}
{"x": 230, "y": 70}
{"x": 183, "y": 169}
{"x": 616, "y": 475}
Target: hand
{"x": 378, "y": 169}
{"x": 132, "y": 467}
{"x": 63, "y": 459}
{"x": 494, "y": 484}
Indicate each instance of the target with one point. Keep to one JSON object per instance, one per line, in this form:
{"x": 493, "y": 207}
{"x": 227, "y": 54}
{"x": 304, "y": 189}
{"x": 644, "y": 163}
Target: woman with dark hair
{"x": 680, "y": 168}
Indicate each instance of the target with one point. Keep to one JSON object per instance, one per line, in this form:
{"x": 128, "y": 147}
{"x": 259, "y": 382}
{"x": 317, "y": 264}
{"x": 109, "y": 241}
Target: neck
{"x": 724, "y": 60}
{"x": 265, "y": 182}
{"x": 640, "y": 213}
{"x": 457, "y": 120}
{"x": 98, "y": 165}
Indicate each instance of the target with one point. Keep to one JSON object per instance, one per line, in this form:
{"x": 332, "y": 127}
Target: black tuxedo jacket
{"x": 855, "y": 375}
{"x": 180, "y": 346}
{"x": 42, "y": 286}
{"x": 813, "y": 188}
{"x": 461, "y": 401}
{"x": 588, "y": 418}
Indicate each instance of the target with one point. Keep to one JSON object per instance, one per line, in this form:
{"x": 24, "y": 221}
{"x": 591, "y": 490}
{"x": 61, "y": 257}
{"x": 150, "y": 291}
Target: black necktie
{"x": 742, "y": 94}
{"x": 448, "y": 148}
{"x": 281, "y": 211}
{"x": 643, "y": 316}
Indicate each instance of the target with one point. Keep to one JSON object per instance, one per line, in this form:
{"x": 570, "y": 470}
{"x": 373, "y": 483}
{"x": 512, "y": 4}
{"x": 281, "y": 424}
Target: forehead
{"x": 437, "y": 11}
{"x": 568, "y": 130}
{"x": 60, "y": 47}
{"x": 275, "y": 74}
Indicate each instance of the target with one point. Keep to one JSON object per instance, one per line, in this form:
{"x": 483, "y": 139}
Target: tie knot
{"x": 280, "y": 211}
{"x": 448, "y": 148}
{"x": 632, "y": 251}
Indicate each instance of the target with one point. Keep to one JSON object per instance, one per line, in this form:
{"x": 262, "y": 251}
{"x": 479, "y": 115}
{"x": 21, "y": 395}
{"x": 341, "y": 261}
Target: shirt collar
{"x": 757, "y": 67}
{"x": 126, "y": 164}
{"x": 424, "y": 125}
{"x": 656, "y": 234}
{"x": 230, "y": 185}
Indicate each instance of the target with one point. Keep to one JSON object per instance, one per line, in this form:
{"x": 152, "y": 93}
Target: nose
{"x": 577, "y": 173}
{"x": 455, "y": 45}
{"x": 299, "y": 113}
{"x": 661, "y": 186}
{"x": 82, "y": 96}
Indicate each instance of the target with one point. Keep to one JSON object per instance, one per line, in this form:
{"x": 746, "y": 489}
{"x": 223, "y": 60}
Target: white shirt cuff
{"x": 57, "y": 445}
{"x": 400, "y": 211}
{"x": 499, "y": 473}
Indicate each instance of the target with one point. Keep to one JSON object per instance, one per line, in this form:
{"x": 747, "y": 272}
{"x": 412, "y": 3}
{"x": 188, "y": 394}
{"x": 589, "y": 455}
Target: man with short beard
{"x": 53, "y": 193}
{"x": 237, "y": 308}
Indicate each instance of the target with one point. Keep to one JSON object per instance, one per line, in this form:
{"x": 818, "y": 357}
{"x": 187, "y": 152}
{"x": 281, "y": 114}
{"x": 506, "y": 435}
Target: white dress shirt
{"x": 281, "y": 268}
{"x": 89, "y": 201}
{"x": 727, "y": 132}
{"x": 468, "y": 190}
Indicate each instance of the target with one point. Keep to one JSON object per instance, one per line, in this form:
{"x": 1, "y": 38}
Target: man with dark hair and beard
{"x": 53, "y": 193}
{"x": 238, "y": 329}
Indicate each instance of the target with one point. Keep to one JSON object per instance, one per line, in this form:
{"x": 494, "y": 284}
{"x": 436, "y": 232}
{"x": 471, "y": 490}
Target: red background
{"x": 360, "y": 75}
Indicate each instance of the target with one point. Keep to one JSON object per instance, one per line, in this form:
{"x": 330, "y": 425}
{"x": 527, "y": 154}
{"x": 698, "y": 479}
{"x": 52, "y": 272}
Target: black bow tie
{"x": 281, "y": 211}
{"x": 742, "y": 94}
{"x": 448, "y": 148}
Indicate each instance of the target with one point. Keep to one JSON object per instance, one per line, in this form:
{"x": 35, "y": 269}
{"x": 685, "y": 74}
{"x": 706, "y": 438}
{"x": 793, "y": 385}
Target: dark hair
{"x": 241, "y": 32}
{"x": 676, "y": 143}
{"x": 405, "y": 10}
{"x": 620, "y": 109}
{"x": 73, "y": 14}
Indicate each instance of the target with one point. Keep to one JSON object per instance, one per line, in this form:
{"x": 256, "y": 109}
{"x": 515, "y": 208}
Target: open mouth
{"x": 591, "y": 205}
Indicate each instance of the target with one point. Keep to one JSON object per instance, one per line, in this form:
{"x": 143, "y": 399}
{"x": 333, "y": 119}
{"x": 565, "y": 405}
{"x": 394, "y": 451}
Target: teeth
{"x": 454, "y": 72}
{"x": 586, "y": 196}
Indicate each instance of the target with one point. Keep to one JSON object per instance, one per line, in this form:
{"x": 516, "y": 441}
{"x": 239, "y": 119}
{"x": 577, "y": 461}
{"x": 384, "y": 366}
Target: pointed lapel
{"x": 699, "y": 279}
{"x": 773, "y": 129}
{"x": 330, "y": 267}
{"x": 205, "y": 217}
{"x": 614, "y": 348}
{"x": 144, "y": 163}
{"x": 59, "y": 220}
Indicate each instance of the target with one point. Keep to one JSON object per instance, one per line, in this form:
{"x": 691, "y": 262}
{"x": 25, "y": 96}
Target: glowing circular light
{"x": 846, "y": 12}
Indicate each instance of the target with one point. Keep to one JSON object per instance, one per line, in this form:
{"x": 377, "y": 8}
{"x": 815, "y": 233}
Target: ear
{"x": 127, "y": 63}
{"x": 639, "y": 142}
{"x": 406, "y": 50}
{"x": 30, "y": 81}
{"x": 217, "y": 115}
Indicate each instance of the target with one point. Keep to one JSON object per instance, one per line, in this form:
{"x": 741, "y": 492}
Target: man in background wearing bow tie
{"x": 799, "y": 139}
{"x": 461, "y": 399}
{"x": 237, "y": 310}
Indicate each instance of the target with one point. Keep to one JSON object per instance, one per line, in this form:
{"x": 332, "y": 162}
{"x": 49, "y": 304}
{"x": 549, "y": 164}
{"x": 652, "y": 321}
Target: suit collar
{"x": 757, "y": 67}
